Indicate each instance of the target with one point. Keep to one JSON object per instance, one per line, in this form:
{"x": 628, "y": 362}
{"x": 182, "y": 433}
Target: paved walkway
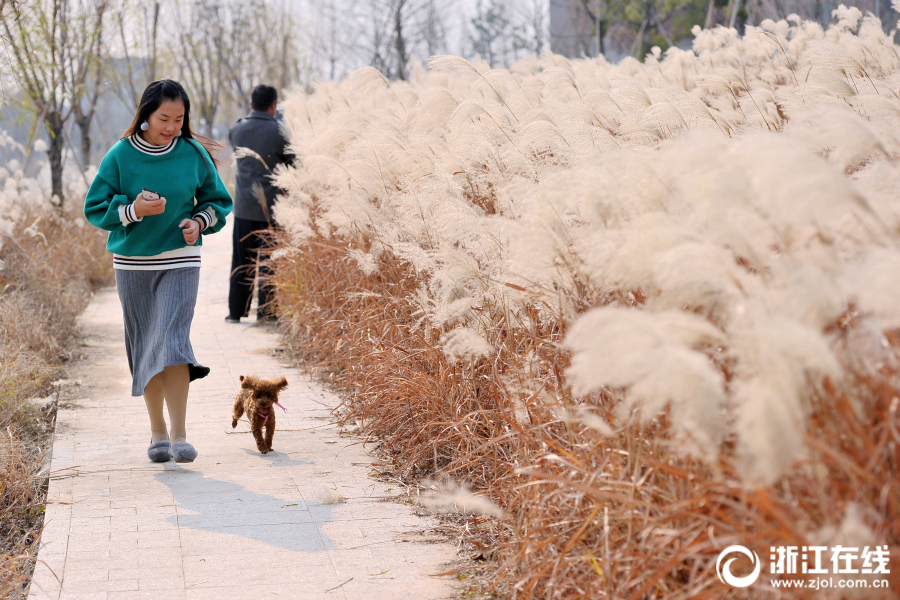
{"x": 305, "y": 522}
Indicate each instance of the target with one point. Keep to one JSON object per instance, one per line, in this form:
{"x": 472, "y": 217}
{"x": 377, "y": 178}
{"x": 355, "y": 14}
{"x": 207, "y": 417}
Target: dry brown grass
{"x": 587, "y": 515}
{"x": 45, "y": 282}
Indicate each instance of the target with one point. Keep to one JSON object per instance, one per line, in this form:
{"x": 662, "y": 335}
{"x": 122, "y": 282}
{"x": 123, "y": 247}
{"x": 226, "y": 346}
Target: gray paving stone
{"x": 83, "y": 596}
{"x": 169, "y": 594}
{"x": 234, "y": 523}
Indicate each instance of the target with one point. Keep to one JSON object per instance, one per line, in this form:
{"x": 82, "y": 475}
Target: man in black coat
{"x": 260, "y": 147}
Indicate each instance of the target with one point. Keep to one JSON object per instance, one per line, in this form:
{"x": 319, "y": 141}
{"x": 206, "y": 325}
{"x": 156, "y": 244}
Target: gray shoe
{"x": 159, "y": 452}
{"x": 183, "y": 452}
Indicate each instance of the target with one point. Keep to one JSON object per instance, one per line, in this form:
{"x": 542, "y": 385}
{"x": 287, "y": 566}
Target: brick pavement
{"x": 234, "y": 523}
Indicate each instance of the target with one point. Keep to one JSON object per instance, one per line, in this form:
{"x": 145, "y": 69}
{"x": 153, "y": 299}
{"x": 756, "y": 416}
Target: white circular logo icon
{"x": 724, "y": 571}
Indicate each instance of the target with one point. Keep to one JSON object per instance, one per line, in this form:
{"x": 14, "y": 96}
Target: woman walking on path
{"x": 155, "y": 237}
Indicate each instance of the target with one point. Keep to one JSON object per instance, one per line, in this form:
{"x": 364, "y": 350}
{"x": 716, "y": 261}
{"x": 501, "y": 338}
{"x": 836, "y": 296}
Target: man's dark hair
{"x": 262, "y": 97}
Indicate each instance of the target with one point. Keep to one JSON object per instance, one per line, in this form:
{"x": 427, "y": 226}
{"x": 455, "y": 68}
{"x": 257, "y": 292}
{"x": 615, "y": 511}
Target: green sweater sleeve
{"x": 101, "y": 205}
{"x": 214, "y": 203}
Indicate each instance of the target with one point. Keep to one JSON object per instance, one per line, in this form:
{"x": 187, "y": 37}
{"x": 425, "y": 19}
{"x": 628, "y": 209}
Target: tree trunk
{"x": 648, "y": 38}
{"x": 736, "y": 7}
{"x": 208, "y": 115}
{"x": 601, "y": 24}
{"x": 399, "y": 42}
{"x": 85, "y": 126}
{"x": 54, "y": 125}
{"x": 709, "y": 14}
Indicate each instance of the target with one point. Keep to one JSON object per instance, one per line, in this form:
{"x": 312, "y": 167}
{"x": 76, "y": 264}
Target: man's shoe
{"x": 230, "y": 319}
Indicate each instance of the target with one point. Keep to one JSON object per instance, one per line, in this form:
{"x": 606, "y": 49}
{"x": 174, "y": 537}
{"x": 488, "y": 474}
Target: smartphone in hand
{"x": 149, "y": 194}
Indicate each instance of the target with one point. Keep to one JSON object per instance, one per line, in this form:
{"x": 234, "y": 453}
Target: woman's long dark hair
{"x": 152, "y": 98}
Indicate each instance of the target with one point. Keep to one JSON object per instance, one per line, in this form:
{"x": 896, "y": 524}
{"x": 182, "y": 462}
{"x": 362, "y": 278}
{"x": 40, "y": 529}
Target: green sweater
{"x": 189, "y": 183}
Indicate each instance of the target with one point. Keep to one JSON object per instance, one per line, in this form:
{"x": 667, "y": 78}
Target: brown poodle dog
{"x": 258, "y": 398}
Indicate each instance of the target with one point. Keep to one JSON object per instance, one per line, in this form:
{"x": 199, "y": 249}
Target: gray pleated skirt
{"x": 158, "y": 307}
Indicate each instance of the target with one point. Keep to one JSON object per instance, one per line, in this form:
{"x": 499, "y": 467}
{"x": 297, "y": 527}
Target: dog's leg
{"x": 270, "y": 428}
{"x": 256, "y": 425}
{"x": 238, "y": 409}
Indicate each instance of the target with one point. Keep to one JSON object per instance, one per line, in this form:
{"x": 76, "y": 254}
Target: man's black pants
{"x": 248, "y": 240}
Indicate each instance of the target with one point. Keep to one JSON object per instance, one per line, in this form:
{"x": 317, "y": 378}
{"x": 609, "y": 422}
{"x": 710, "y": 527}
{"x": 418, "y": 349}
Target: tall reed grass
{"x": 49, "y": 265}
{"x": 645, "y": 311}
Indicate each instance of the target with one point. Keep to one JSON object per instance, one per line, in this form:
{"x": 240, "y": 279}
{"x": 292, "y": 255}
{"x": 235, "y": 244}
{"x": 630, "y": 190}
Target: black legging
{"x": 248, "y": 239}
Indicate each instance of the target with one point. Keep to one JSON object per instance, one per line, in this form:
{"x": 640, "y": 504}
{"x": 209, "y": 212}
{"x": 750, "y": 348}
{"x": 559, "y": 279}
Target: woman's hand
{"x": 191, "y": 230}
{"x": 144, "y": 207}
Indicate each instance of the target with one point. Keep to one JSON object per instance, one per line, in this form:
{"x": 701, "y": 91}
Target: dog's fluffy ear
{"x": 248, "y": 382}
{"x": 281, "y": 383}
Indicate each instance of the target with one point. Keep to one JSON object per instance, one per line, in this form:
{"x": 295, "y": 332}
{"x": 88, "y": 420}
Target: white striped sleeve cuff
{"x": 207, "y": 217}
{"x": 127, "y": 216}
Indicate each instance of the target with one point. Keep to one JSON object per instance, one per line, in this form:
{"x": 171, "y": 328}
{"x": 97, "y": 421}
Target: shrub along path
{"x": 306, "y": 521}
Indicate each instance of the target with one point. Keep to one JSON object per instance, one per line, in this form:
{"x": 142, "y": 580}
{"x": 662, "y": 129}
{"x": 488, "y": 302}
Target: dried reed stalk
{"x": 45, "y": 282}
{"x": 589, "y": 515}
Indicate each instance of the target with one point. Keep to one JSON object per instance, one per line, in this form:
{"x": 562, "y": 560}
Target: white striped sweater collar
{"x": 146, "y": 148}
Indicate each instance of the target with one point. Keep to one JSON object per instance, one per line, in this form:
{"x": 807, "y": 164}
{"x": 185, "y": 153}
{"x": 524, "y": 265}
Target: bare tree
{"x": 601, "y": 13}
{"x": 399, "y": 41}
{"x": 259, "y": 44}
{"x": 37, "y": 36}
{"x": 433, "y": 29}
{"x": 333, "y": 37}
{"x": 226, "y": 47}
{"x": 282, "y": 53}
{"x": 499, "y": 34}
{"x": 401, "y": 29}
{"x": 385, "y": 34}
{"x": 537, "y": 18}
{"x": 83, "y": 66}
{"x": 200, "y": 37}
{"x": 137, "y": 27}
{"x": 377, "y": 37}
